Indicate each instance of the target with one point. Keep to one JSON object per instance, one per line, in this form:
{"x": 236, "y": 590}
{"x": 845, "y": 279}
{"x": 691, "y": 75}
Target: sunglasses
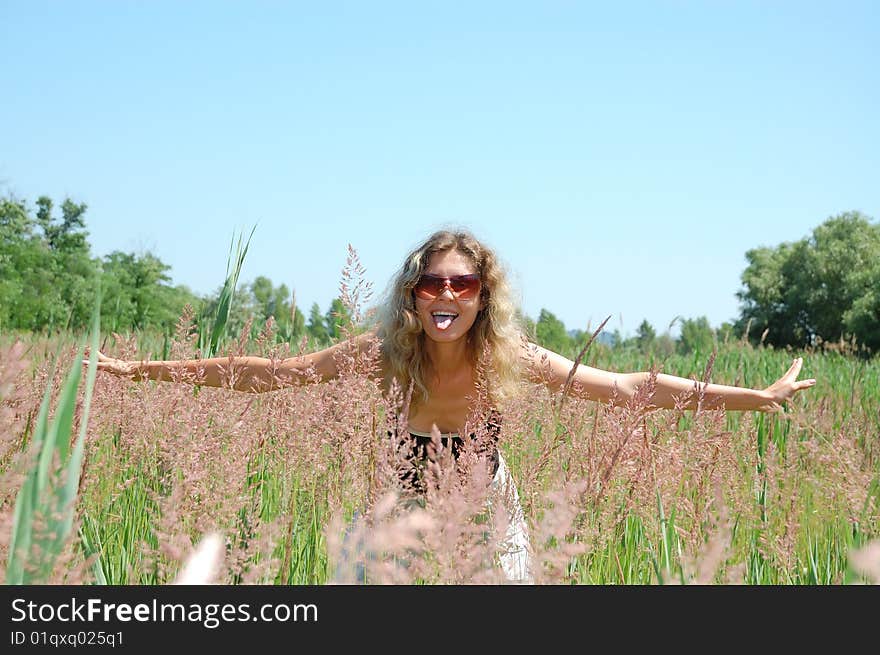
{"x": 429, "y": 287}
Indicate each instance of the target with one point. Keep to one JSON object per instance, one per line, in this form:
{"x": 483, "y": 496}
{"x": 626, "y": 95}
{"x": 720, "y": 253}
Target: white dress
{"x": 514, "y": 553}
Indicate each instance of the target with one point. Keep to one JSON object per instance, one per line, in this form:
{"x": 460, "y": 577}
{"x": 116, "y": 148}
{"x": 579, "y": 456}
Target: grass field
{"x": 612, "y": 495}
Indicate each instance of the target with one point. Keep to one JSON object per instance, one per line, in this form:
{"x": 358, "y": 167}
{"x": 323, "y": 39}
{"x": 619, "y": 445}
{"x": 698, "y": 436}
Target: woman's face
{"x": 447, "y": 318}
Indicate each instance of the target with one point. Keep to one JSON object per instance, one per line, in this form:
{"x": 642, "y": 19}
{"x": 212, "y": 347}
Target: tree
{"x": 697, "y": 336}
{"x": 725, "y": 332}
{"x": 645, "y": 335}
{"x": 47, "y": 277}
{"x": 338, "y": 316}
{"x": 663, "y": 346}
{"x": 863, "y": 316}
{"x": 550, "y": 332}
{"x": 73, "y": 272}
{"x": 819, "y": 288}
{"x": 19, "y": 253}
{"x": 266, "y": 300}
{"x": 578, "y": 338}
{"x": 297, "y": 326}
{"x": 526, "y": 323}
{"x": 63, "y": 235}
{"x": 137, "y": 293}
{"x": 316, "y": 328}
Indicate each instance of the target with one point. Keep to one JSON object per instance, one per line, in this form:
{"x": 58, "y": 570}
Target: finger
{"x": 805, "y": 384}
{"x": 787, "y": 375}
{"x": 794, "y": 369}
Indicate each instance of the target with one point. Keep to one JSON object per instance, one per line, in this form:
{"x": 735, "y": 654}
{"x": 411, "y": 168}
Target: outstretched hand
{"x": 112, "y": 365}
{"x": 785, "y": 387}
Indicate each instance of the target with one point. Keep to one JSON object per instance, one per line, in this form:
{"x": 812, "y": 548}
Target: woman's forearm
{"x": 249, "y": 374}
{"x": 668, "y": 391}
{"x": 242, "y": 373}
{"x": 671, "y": 391}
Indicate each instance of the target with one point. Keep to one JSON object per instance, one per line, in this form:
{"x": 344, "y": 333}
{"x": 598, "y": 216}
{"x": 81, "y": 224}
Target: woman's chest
{"x": 448, "y": 406}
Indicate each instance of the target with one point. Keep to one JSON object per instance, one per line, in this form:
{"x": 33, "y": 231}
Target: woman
{"x": 448, "y": 334}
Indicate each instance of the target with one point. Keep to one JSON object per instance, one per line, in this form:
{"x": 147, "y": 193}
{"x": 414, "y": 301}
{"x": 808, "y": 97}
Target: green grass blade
{"x": 224, "y": 304}
{"x": 22, "y": 532}
{"x": 28, "y": 497}
{"x": 58, "y": 436}
{"x": 68, "y": 492}
{"x": 39, "y": 439}
{"x": 93, "y": 549}
{"x": 31, "y": 559}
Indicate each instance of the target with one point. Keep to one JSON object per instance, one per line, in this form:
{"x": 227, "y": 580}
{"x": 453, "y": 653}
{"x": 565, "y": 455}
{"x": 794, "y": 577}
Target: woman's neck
{"x": 447, "y": 358}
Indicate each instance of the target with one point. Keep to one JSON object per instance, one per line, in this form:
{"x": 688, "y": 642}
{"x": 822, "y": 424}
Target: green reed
{"x": 45, "y": 503}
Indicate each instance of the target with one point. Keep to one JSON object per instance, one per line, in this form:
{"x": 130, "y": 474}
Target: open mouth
{"x": 442, "y": 320}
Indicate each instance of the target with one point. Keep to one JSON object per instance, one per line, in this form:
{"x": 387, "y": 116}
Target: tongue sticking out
{"x": 443, "y": 322}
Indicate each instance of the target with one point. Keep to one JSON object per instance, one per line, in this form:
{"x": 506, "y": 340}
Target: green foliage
{"x": 338, "y": 317}
{"x": 47, "y": 281}
{"x": 725, "y": 333}
{"x": 47, "y": 275}
{"x": 73, "y": 271}
{"x": 297, "y": 326}
{"x": 137, "y": 293}
{"x": 527, "y": 324}
{"x": 645, "y": 343}
{"x": 645, "y": 335}
{"x": 44, "y": 506}
{"x": 213, "y": 328}
{"x": 643, "y": 539}
{"x": 862, "y": 318}
{"x": 821, "y": 288}
{"x": 265, "y": 301}
{"x": 550, "y": 333}
{"x": 48, "y": 278}
{"x": 664, "y": 346}
{"x": 317, "y": 328}
{"x": 268, "y": 301}
{"x": 697, "y": 336}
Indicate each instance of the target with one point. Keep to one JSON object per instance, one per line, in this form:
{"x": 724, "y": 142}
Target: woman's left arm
{"x": 669, "y": 388}
{"x": 670, "y": 391}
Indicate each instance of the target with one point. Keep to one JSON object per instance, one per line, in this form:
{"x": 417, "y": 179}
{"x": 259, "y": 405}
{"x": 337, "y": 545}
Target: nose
{"x": 447, "y": 291}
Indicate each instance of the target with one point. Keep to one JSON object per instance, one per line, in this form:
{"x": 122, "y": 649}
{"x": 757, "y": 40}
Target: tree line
{"x": 822, "y": 288}
{"x": 48, "y": 281}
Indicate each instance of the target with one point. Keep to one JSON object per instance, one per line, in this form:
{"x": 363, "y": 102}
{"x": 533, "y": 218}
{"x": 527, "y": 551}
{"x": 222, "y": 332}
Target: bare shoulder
{"x": 323, "y": 362}
{"x": 362, "y": 343}
{"x": 367, "y": 340}
{"x": 369, "y": 344}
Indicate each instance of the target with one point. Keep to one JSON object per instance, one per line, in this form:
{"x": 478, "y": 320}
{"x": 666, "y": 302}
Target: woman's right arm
{"x": 242, "y": 373}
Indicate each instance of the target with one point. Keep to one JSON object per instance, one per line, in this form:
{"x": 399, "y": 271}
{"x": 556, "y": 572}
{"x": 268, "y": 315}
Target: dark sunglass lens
{"x": 429, "y": 286}
{"x": 465, "y": 285}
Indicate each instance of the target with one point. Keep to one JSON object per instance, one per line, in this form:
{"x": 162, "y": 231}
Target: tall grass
{"x": 272, "y": 472}
{"x": 213, "y": 331}
{"x": 45, "y": 503}
{"x": 612, "y": 495}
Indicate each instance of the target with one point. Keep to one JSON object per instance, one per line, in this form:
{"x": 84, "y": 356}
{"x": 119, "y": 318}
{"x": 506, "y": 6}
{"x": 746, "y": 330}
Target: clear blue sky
{"x": 621, "y": 157}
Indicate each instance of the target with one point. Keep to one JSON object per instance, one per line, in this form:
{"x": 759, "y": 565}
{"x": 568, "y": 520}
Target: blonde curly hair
{"x": 494, "y": 341}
